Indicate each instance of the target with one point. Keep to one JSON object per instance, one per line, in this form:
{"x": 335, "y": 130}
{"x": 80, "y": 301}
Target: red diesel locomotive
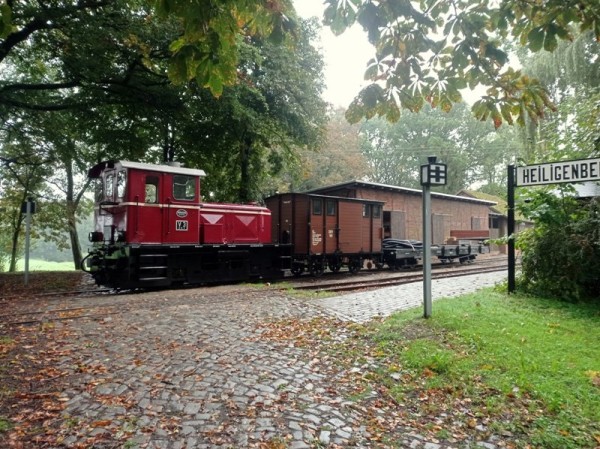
{"x": 153, "y": 230}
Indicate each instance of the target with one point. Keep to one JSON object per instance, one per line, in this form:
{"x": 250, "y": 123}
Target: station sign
{"x": 558, "y": 172}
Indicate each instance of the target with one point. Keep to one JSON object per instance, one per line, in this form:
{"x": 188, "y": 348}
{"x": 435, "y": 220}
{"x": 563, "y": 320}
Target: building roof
{"x": 501, "y": 206}
{"x": 406, "y": 190}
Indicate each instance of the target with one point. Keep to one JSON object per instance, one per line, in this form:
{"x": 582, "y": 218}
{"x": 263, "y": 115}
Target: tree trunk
{"x": 73, "y": 234}
{"x": 13, "y": 253}
{"x": 71, "y": 211}
{"x": 17, "y": 223}
{"x": 245, "y": 190}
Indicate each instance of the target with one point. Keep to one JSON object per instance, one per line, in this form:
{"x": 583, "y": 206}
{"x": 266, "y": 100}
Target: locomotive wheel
{"x": 297, "y": 269}
{"x": 317, "y": 267}
{"x": 354, "y": 266}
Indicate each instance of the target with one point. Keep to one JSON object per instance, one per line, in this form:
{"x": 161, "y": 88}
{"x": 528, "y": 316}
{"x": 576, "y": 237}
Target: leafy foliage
{"x": 561, "y": 254}
{"x": 208, "y": 50}
{"x": 339, "y": 159}
{"x": 473, "y": 151}
{"x": 250, "y": 134}
{"x": 428, "y": 51}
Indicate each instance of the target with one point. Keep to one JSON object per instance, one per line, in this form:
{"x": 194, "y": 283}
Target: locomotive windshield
{"x": 109, "y": 186}
{"x": 121, "y": 184}
{"x": 98, "y": 190}
{"x": 113, "y": 184}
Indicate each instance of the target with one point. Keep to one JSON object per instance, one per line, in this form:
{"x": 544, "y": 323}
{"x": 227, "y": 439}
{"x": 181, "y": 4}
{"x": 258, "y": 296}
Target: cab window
{"x": 151, "y": 190}
{"x": 184, "y": 187}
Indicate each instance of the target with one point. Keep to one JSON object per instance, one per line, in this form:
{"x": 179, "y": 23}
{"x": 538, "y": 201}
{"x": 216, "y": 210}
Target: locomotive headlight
{"x": 96, "y": 236}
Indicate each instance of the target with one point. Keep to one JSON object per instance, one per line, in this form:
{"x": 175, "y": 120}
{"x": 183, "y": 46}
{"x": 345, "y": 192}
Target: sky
{"x": 345, "y": 56}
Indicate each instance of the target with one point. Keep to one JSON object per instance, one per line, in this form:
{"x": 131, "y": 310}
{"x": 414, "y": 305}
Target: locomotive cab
{"x": 151, "y": 229}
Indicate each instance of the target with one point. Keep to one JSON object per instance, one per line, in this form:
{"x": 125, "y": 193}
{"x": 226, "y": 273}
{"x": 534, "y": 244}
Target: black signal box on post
{"x": 28, "y": 207}
{"x": 434, "y": 173}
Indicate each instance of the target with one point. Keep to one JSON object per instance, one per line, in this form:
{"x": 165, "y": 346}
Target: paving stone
{"x": 324, "y": 437}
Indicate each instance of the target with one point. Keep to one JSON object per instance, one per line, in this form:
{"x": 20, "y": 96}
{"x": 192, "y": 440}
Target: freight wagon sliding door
{"x": 317, "y": 220}
{"x": 331, "y": 225}
{"x": 350, "y": 239}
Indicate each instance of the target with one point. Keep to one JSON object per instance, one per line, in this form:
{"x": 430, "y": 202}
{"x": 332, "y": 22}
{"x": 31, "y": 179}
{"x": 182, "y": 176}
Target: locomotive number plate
{"x": 181, "y": 225}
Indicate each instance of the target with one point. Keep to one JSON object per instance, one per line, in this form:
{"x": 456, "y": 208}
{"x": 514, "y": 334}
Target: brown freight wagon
{"x": 327, "y": 231}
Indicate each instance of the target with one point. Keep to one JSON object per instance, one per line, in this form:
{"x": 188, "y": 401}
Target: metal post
{"x": 28, "y": 211}
{"x": 427, "y": 251}
{"x": 511, "y": 228}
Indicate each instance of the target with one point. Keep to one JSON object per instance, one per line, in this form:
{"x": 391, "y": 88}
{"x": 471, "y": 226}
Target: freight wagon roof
{"x": 320, "y": 195}
{"x": 95, "y": 171}
{"x": 377, "y": 186}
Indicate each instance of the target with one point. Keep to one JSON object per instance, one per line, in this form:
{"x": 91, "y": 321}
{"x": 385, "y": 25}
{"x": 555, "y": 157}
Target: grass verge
{"x": 526, "y": 368}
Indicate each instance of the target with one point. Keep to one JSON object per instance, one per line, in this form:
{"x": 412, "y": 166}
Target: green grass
{"x": 44, "y": 265}
{"x": 530, "y": 365}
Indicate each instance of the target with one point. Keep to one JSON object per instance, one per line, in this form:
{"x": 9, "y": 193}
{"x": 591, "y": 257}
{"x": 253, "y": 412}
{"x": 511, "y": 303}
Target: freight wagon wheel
{"x": 354, "y": 265}
{"x": 297, "y": 269}
{"x": 334, "y": 265}
{"x": 317, "y": 267}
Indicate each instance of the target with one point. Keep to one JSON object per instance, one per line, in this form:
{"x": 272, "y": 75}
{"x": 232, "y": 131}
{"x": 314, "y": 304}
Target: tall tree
{"x": 472, "y": 150}
{"x": 22, "y": 173}
{"x": 251, "y": 133}
{"x": 339, "y": 159}
{"x": 572, "y": 73}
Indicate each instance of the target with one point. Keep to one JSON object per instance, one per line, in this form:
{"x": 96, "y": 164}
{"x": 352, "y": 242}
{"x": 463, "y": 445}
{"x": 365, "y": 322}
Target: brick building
{"x": 402, "y": 211}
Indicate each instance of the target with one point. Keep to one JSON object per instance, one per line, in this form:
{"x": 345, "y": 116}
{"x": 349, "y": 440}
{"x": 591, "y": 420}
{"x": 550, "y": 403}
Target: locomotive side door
{"x": 180, "y": 209}
{"x": 148, "y": 218}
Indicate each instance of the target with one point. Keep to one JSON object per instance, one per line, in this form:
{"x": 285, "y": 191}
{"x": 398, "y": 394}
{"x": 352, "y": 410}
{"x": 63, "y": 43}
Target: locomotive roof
{"x": 377, "y": 186}
{"x": 95, "y": 171}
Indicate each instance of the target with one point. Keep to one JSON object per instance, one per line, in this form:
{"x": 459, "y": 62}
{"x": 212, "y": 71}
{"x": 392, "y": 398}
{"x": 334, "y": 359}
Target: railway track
{"x": 362, "y": 284}
{"x": 90, "y": 303}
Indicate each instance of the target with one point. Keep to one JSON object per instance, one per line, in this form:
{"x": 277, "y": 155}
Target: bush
{"x": 561, "y": 254}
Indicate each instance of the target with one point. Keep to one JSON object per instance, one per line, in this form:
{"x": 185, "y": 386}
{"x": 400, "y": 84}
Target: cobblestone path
{"x": 192, "y": 371}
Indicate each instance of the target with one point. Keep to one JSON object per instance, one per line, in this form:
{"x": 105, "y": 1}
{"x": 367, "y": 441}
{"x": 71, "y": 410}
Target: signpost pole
{"x": 432, "y": 173}
{"x": 427, "y": 302}
{"x": 511, "y": 228}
